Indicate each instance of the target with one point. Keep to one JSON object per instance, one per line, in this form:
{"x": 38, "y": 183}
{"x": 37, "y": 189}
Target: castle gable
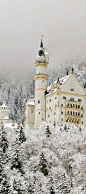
{"x": 72, "y": 86}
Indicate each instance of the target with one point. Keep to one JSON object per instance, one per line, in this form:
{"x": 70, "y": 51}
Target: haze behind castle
{"x": 63, "y": 24}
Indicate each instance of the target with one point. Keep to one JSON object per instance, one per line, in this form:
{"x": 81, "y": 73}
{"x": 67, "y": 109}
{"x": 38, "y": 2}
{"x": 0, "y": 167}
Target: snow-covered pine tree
{"x": 4, "y": 187}
{"x": 21, "y": 136}
{"x": 43, "y": 164}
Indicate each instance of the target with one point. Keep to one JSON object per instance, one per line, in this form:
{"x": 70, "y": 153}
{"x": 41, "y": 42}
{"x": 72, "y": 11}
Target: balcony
{"x": 73, "y": 116}
{"x": 72, "y": 105}
{"x": 73, "y": 119}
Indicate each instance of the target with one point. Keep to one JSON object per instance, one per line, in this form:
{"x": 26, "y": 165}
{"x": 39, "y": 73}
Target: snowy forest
{"x": 50, "y": 160}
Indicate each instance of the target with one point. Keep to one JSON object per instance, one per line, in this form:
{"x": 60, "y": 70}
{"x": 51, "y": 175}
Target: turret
{"x": 41, "y": 79}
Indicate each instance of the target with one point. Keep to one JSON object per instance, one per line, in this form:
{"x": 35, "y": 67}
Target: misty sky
{"x": 22, "y": 22}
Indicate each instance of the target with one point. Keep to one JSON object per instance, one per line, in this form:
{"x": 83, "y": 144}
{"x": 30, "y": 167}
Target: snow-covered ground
{"x": 48, "y": 160}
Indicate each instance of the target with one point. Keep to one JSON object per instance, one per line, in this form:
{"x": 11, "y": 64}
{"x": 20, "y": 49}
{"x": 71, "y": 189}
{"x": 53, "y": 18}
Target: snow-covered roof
{"x": 64, "y": 79}
{"x": 4, "y": 105}
{"x": 61, "y": 81}
{"x": 30, "y": 102}
{"x": 6, "y": 118}
{"x": 10, "y": 125}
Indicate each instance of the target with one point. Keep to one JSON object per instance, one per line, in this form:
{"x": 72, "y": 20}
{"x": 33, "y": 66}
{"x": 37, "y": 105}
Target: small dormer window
{"x": 72, "y": 89}
{"x": 64, "y": 97}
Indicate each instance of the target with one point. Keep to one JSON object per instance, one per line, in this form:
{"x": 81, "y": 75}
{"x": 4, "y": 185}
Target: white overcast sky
{"x": 22, "y": 22}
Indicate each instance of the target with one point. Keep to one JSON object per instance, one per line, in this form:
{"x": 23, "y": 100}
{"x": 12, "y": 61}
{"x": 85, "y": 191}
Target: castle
{"x": 61, "y": 102}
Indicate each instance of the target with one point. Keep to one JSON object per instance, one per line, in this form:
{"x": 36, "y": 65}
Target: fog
{"x": 22, "y": 22}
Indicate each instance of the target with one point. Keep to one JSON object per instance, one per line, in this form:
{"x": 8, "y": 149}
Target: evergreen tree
{"x": 18, "y": 187}
{"x": 16, "y": 163}
{"x": 4, "y": 188}
{"x": 48, "y": 132}
{"x": 52, "y": 191}
{"x": 15, "y": 157}
{"x": 3, "y": 141}
{"x": 21, "y": 137}
{"x": 43, "y": 165}
{"x": 65, "y": 128}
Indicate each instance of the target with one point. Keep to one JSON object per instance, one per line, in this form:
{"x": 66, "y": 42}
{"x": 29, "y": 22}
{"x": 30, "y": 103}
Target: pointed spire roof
{"x": 41, "y": 44}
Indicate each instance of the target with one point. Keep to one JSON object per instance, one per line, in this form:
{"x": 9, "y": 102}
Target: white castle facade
{"x": 63, "y": 101}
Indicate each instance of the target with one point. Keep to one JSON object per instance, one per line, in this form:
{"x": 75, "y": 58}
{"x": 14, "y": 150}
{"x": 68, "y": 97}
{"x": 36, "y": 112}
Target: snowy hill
{"x": 49, "y": 160}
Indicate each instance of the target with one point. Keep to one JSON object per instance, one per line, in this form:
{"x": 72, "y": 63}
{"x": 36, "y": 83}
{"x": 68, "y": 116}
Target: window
{"x": 43, "y": 80}
{"x": 49, "y": 108}
{"x": 64, "y": 97}
{"x": 79, "y": 100}
{"x": 31, "y": 110}
{"x": 55, "y": 97}
{"x": 71, "y": 105}
{"x": 82, "y": 122}
{"x": 78, "y": 106}
{"x": 38, "y": 101}
{"x": 81, "y": 108}
{"x": 54, "y": 113}
{"x": 61, "y": 105}
{"x": 48, "y": 116}
{"x": 39, "y": 113}
{"x": 50, "y": 100}
{"x": 62, "y": 112}
{"x": 61, "y": 119}
{"x": 68, "y": 105}
{"x": 72, "y": 89}
{"x": 71, "y": 99}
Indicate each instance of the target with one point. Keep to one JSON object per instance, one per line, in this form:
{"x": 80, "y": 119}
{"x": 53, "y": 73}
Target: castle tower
{"x": 41, "y": 79}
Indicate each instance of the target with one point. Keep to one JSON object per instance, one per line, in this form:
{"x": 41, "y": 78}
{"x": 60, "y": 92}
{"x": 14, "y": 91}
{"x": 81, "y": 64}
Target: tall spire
{"x": 41, "y": 44}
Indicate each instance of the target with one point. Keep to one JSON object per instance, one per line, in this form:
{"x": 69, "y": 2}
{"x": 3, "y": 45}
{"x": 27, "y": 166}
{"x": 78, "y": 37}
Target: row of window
{"x": 4, "y": 108}
{"x": 64, "y": 97}
{"x": 72, "y": 120}
{"x": 73, "y": 106}
{"x": 74, "y": 113}
{"x": 72, "y": 99}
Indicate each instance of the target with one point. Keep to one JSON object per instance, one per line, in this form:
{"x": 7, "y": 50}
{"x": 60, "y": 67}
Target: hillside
{"x": 49, "y": 160}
